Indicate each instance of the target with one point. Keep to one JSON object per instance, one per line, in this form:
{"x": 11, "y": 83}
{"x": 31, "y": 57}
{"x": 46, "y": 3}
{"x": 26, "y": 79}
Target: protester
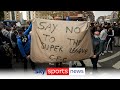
{"x": 110, "y": 39}
{"x": 103, "y": 36}
{"x": 116, "y": 35}
{"x": 5, "y": 51}
{"x": 13, "y": 39}
{"x": 97, "y": 49}
{"x": 23, "y": 42}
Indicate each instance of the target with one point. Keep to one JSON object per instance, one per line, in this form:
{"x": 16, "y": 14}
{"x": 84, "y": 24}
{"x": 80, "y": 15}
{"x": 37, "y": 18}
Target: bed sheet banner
{"x": 59, "y": 41}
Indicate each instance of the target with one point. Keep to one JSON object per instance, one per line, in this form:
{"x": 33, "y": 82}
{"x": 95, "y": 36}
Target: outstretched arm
{"x": 28, "y": 30}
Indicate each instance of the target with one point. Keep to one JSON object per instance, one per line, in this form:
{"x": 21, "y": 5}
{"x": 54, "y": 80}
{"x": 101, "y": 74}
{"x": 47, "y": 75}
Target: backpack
{"x": 24, "y": 39}
{"x": 7, "y": 49}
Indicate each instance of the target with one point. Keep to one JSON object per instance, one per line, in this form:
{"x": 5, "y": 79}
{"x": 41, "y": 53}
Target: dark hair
{"x": 92, "y": 24}
{"x": 108, "y": 23}
{"x": 20, "y": 30}
{"x": 110, "y": 28}
{"x": 104, "y": 27}
{"x": 23, "y": 27}
{"x": 114, "y": 24}
{"x": 1, "y": 26}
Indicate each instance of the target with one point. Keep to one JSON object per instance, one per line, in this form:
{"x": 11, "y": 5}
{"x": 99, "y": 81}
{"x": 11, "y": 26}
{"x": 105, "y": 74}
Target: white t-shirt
{"x": 103, "y": 34}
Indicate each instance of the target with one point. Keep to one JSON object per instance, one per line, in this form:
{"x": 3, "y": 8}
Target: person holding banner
{"x": 97, "y": 49}
{"x": 23, "y": 42}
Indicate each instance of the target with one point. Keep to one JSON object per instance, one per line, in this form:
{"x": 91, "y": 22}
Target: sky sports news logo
{"x": 40, "y": 71}
{"x": 65, "y": 71}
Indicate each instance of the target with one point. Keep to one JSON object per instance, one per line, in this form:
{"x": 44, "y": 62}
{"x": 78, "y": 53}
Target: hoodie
{"x": 25, "y": 49}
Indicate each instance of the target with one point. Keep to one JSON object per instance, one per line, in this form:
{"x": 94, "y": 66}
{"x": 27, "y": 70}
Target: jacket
{"x": 24, "y": 49}
{"x": 97, "y": 46}
{"x": 116, "y": 31}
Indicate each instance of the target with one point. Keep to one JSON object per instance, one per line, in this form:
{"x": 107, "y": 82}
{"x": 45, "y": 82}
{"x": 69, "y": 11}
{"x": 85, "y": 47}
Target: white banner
{"x": 59, "y": 41}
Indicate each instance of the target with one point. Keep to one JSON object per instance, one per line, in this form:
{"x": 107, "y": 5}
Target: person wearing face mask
{"x": 97, "y": 49}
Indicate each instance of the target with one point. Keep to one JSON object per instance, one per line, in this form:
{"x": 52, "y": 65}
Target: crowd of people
{"x": 15, "y": 43}
{"x": 105, "y": 37}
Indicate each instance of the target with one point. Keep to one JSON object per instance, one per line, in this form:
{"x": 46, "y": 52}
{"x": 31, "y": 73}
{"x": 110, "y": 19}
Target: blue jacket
{"x": 24, "y": 50}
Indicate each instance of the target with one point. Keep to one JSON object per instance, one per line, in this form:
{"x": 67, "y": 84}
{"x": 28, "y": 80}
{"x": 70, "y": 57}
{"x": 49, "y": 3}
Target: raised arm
{"x": 28, "y": 30}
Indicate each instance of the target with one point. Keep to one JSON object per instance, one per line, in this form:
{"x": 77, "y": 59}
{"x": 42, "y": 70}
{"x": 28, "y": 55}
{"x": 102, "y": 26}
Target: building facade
{"x": 109, "y": 18}
{"x": 12, "y": 15}
{"x": 114, "y": 16}
{"x": 62, "y": 14}
{"x": 29, "y": 15}
{"x": 91, "y": 16}
{"x": 7, "y": 15}
{"x": 100, "y": 19}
